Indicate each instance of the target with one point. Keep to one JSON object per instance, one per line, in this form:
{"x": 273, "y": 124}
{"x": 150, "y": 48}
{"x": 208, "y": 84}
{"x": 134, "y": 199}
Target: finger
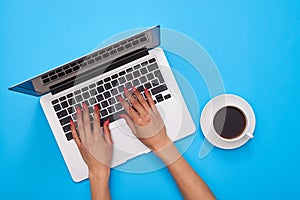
{"x": 129, "y": 122}
{"x": 74, "y": 134}
{"x": 135, "y": 103}
{"x": 141, "y": 99}
{"x": 86, "y": 122}
{"x": 96, "y": 124}
{"x": 106, "y": 132}
{"x": 150, "y": 100}
{"x": 80, "y": 124}
{"x": 131, "y": 112}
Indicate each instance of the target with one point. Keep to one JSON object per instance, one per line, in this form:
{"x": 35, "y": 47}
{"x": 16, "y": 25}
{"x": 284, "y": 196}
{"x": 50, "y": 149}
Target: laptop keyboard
{"x": 105, "y": 94}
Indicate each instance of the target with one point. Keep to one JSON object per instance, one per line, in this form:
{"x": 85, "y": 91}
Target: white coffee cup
{"x": 227, "y": 121}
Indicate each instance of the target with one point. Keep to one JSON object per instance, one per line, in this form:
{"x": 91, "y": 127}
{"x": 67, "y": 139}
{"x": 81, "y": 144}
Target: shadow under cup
{"x": 230, "y": 122}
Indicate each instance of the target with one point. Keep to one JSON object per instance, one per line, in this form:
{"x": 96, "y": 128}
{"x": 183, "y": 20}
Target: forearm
{"x": 99, "y": 187}
{"x": 188, "y": 181}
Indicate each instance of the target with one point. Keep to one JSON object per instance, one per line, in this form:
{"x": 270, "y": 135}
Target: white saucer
{"x": 207, "y": 117}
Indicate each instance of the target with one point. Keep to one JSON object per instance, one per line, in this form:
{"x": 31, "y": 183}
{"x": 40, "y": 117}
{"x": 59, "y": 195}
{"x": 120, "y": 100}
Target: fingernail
{"x": 106, "y": 122}
{"x": 71, "y": 122}
{"x": 126, "y": 90}
{"x": 146, "y": 90}
{"x": 133, "y": 89}
{"x": 78, "y": 110}
{"x": 84, "y": 105}
{"x": 96, "y": 107}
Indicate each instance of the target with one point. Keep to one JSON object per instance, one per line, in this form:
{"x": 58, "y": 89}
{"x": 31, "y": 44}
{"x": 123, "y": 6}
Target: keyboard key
{"x": 128, "y": 46}
{"x": 159, "y": 89}
{"x": 92, "y": 101}
{"x": 148, "y": 85}
{"x": 51, "y": 73}
{"x": 57, "y": 107}
{"x": 76, "y": 68}
{"x": 116, "y": 45}
{"x": 91, "y": 61}
{"x": 118, "y": 106}
{"x": 140, "y": 88}
{"x": 60, "y": 74}
{"x": 64, "y": 104}
{"x": 86, "y": 95}
{"x": 84, "y": 64}
{"x": 55, "y": 101}
{"x": 71, "y": 110}
{"x": 129, "y": 77}
{"x": 105, "y": 55}
{"x": 68, "y": 71}
{"x": 62, "y": 98}
{"x": 152, "y": 67}
{"x": 100, "y": 89}
{"x": 104, "y": 104}
{"x": 103, "y": 112}
{"x": 94, "y": 54}
{"x": 137, "y": 67}
{"x": 107, "y": 86}
{"x": 69, "y": 136}
{"x": 111, "y": 101}
{"x": 111, "y": 109}
{"x": 114, "y": 92}
{"x": 128, "y": 85}
{"x": 159, "y": 76}
{"x": 151, "y": 60}
{"x": 107, "y": 79}
{"x": 143, "y": 39}
{"x": 144, "y": 63}
{"x": 135, "y": 82}
{"x": 91, "y": 110}
{"x": 93, "y": 92}
{"x": 122, "y": 80}
{"x": 143, "y": 79}
{"x": 77, "y": 92}
{"x": 98, "y": 58}
{"x": 78, "y": 98}
{"x": 155, "y": 82}
{"x": 67, "y": 128}
{"x": 100, "y": 97}
{"x": 113, "y": 52}
{"x": 168, "y": 96}
{"x": 92, "y": 85}
{"x": 114, "y": 76}
{"x": 69, "y": 95}
{"x": 84, "y": 89}
{"x": 71, "y": 101}
{"x": 46, "y": 80}
{"x": 136, "y": 74}
{"x": 150, "y": 76}
{"x": 143, "y": 70}
{"x": 114, "y": 83}
{"x": 61, "y": 114}
{"x": 106, "y": 94}
{"x": 135, "y": 42}
{"x": 121, "y": 88}
{"x": 159, "y": 98}
{"x": 120, "y": 49}
{"x": 121, "y": 73}
{"x": 129, "y": 70}
{"x": 100, "y": 82}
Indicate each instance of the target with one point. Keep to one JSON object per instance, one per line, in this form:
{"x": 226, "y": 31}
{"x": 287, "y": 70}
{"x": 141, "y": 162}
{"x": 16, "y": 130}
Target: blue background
{"x": 255, "y": 45}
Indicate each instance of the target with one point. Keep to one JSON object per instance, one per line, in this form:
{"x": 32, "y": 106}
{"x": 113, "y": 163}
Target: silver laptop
{"x": 99, "y": 78}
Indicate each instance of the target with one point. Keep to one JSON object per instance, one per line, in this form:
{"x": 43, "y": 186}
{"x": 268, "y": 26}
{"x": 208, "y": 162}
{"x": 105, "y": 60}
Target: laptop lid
{"x": 91, "y": 65}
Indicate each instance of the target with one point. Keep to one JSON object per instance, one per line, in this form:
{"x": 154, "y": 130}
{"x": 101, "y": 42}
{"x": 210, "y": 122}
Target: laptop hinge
{"x": 101, "y": 69}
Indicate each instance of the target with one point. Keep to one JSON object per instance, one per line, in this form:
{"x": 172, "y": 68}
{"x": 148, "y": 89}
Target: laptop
{"x": 99, "y": 78}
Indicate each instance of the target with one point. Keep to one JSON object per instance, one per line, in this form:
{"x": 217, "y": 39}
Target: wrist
{"x": 161, "y": 143}
{"x": 97, "y": 176}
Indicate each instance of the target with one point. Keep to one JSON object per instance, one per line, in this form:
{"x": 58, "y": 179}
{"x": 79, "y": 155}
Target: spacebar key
{"x": 159, "y": 89}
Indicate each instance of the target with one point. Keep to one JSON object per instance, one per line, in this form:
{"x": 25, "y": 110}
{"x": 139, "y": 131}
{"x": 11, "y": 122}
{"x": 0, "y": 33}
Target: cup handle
{"x": 249, "y": 135}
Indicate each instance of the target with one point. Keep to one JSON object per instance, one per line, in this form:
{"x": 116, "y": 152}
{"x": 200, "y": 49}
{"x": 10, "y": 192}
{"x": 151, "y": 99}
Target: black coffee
{"x": 229, "y": 122}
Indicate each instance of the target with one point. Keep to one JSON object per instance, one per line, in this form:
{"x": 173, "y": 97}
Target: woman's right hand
{"x": 144, "y": 119}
